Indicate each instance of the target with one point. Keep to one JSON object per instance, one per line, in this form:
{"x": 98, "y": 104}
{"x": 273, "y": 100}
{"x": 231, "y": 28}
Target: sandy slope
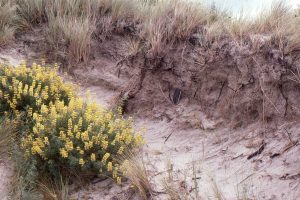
{"x": 213, "y": 153}
{"x": 6, "y": 173}
{"x": 6, "y": 167}
{"x": 219, "y": 159}
{"x": 214, "y": 156}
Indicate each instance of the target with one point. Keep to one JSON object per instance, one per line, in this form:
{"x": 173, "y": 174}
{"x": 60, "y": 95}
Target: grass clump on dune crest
{"x": 165, "y": 22}
{"x": 71, "y": 25}
{"x": 7, "y": 18}
{"x": 31, "y": 13}
{"x": 74, "y": 33}
{"x": 61, "y": 134}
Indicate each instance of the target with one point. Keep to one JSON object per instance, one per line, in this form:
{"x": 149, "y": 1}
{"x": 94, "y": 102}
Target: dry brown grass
{"x": 134, "y": 170}
{"x": 238, "y": 28}
{"x": 7, "y": 18}
{"x": 6, "y": 35}
{"x": 72, "y": 23}
{"x": 131, "y": 48}
{"x": 20, "y": 184}
{"x": 275, "y": 18}
{"x": 7, "y": 136}
{"x": 31, "y": 13}
{"x": 159, "y": 24}
{"x": 166, "y": 22}
{"x": 74, "y": 8}
{"x": 121, "y": 10}
{"x": 75, "y": 33}
{"x": 58, "y": 190}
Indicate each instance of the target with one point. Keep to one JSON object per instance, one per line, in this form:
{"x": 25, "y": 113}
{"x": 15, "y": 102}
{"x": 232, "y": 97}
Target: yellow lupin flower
{"x": 81, "y": 152}
{"x": 109, "y": 166}
{"x": 33, "y": 84}
{"x": 57, "y": 113}
{"x": 27, "y": 154}
{"x": 20, "y": 87}
{"x": 74, "y": 115}
{"x": 81, "y": 162}
{"x": 85, "y": 136}
{"x": 139, "y": 139}
{"x": 35, "y": 130}
{"x": 70, "y": 133}
{"x": 70, "y": 124}
{"x": 91, "y": 144}
{"x": 62, "y": 135}
{"x": 104, "y": 144}
{"x": 119, "y": 180}
{"x": 75, "y": 129}
{"x": 108, "y": 116}
{"x": 29, "y": 112}
{"x": 44, "y": 109}
{"x": 46, "y": 140}
{"x": 93, "y": 157}
{"x": 80, "y": 123}
{"x": 115, "y": 172}
{"x": 3, "y": 81}
{"x": 36, "y": 150}
{"x": 36, "y": 95}
{"x": 40, "y": 142}
{"x": 120, "y": 111}
{"x": 38, "y": 101}
{"x": 121, "y": 150}
{"x": 25, "y": 91}
{"x": 128, "y": 139}
{"x": 78, "y": 135}
{"x": 105, "y": 157}
{"x": 6, "y": 96}
{"x": 86, "y": 146}
{"x": 63, "y": 153}
{"x": 69, "y": 145}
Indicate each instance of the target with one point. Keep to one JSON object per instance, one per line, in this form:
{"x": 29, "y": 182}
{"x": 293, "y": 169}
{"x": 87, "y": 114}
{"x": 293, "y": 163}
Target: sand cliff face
{"x": 237, "y": 116}
{"x": 236, "y": 98}
{"x": 229, "y": 81}
{"x": 215, "y": 102}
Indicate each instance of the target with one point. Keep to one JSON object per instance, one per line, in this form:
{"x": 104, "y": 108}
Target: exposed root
{"x": 285, "y": 98}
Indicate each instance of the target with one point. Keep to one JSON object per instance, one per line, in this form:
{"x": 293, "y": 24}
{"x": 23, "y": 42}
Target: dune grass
{"x": 7, "y": 136}
{"x": 7, "y": 19}
{"x": 71, "y": 25}
{"x": 134, "y": 170}
{"x": 31, "y": 13}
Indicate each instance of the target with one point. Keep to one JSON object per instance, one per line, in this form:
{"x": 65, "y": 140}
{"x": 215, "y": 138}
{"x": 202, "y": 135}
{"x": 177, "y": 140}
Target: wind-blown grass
{"x": 31, "y": 13}
{"x": 159, "y": 24}
{"x": 7, "y": 19}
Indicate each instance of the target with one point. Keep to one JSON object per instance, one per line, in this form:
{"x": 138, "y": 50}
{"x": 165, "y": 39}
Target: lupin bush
{"x": 63, "y": 133}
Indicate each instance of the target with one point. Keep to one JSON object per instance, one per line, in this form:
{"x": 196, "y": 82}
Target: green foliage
{"x": 61, "y": 134}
